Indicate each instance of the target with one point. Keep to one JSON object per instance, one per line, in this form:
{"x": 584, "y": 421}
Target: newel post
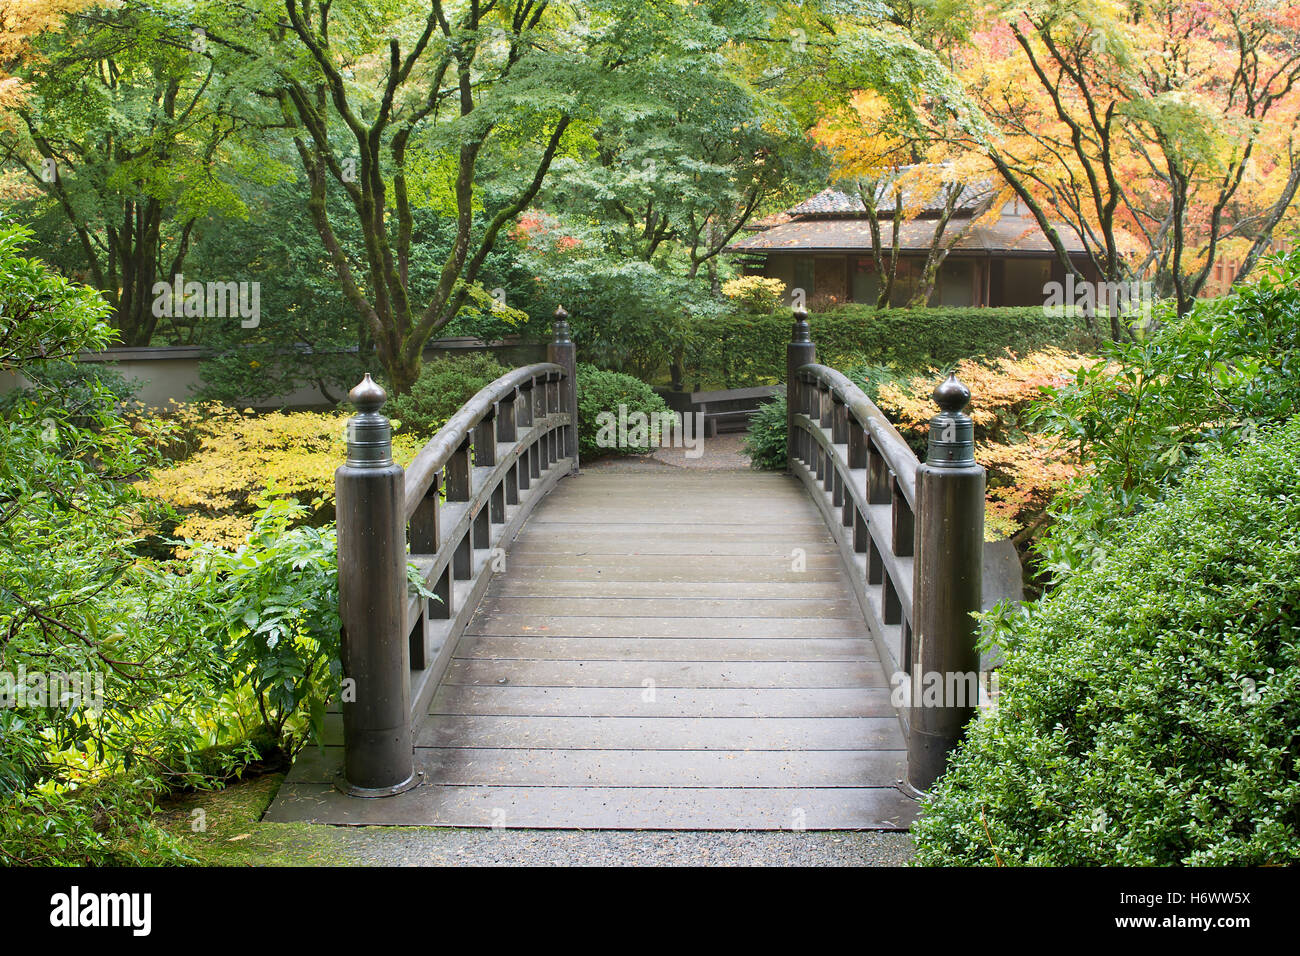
{"x": 947, "y": 586}
{"x": 798, "y": 353}
{"x": 378, "y": 757}
{"x": 563, "y": 352}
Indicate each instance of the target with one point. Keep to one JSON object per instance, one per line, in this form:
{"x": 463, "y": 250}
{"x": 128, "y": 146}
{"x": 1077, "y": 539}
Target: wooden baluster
{"x": 857, "y": 454}
{"x": 458, "y": 473}
{"x": 903, "y": 527}
{"x": 425, "y": 536}
{"x": 839, "y": 421}
{"x": 798, "y": 353}
{"x": 485, "y": 440}
{"x": 482, "y": 527}
{"x": 511, "y": 485}
{"x": 441, "y": 608}
{"x": 857, "y": 458}
{"x": 890, "y": 605}
{"x": 505, "y": 419}
{"x": 525, "y": 408}
{"x": 462, "y": 560}
{"x": 498, "y": 506}
{"x": 458, "y": 481}
{"x": 878, "y": 492}
{"x": 525, "y": 404}
{"x": 861, "y": 533}
{"x": 536, "y": 453}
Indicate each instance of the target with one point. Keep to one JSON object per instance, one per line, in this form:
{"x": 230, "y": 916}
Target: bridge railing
{"x": 911, "y": 533}
{"x": 456, "y": 506}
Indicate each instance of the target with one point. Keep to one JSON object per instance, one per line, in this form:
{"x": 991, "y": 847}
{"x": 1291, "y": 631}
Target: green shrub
{"x": 444, "y": 385}
{"x": 765, "y": 443}
{"x": 1149, "y": 704}
{"x": 736, "y": 351}
{"x": 601, "y": 392}
{"x": 276, "y": 615}
{"x": 1209, "y": 379}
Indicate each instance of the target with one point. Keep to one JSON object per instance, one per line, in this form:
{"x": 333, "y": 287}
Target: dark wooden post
{"x": 798, "y": 353}
{"x": 563, "y": 352}
{"x": 378, "y": 751}
{"x": 946, "y": 585}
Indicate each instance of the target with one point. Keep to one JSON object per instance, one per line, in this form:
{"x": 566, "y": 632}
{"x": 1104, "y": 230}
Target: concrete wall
{"x": 172, "y": 372}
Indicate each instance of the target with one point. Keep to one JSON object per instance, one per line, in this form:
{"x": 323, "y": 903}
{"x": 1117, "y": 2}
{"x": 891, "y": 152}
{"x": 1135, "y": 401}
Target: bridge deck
{"x": 653, "y": 659}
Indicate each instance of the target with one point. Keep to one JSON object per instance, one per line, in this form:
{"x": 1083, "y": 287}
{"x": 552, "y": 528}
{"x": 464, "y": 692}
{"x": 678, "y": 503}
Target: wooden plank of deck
{"x": 652, "y": 658}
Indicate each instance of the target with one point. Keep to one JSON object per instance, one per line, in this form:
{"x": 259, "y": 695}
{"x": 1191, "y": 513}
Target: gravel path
{"x": 376, "y": 846}
{"x": 722, "y": 453}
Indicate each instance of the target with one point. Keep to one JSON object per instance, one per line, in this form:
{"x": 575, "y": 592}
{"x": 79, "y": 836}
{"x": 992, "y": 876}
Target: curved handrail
{"x": 897, "y": 453}
{"x": 431, "y": 459}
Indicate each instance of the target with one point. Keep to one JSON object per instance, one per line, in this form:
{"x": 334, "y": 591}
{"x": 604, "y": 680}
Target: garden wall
{"x": 172, "y": 372}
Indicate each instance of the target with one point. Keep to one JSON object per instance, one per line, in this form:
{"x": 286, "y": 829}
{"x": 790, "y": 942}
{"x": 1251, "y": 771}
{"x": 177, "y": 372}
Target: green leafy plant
{"x": 765, "y": 442}
{"x": 79, "y": 772}
{"x": 276, "y": 618}
{"x": 755, "y": 295}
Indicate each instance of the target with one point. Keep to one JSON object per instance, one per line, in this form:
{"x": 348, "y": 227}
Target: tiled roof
{"x": 835, "y": 202}
{"x": 828, "y": 201}
{"x": 767, "y": 222}
{"x": 1010, "y": 233}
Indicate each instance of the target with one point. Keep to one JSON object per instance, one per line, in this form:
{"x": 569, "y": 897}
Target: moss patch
{"x": 224, "y": 828}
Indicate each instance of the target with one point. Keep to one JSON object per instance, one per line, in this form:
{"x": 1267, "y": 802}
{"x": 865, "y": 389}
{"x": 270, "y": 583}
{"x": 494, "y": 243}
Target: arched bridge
{"x": 632, "y": 650}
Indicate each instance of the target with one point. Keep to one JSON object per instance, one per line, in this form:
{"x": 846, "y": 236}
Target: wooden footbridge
{"x": 632, "y": 650}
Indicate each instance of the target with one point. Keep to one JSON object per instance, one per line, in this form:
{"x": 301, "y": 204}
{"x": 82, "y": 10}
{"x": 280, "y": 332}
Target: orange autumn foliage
{"x": 1025, "y": 469}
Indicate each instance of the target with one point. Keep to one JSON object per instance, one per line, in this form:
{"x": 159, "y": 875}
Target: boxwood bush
{"x": 765, "y": 442}
{"x": 1149, "y": 704}
{"x": 445, "y": 384}
{"x": 603, "y": 391}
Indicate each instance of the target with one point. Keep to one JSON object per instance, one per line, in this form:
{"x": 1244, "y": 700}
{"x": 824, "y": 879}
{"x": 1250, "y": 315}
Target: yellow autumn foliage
{"x": 759, "y": 295}
{"x": 227, "y": 459}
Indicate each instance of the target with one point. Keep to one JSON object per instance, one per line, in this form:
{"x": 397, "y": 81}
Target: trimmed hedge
{"x": 738, "y": 351}
{"x": 1149, "y": 704}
